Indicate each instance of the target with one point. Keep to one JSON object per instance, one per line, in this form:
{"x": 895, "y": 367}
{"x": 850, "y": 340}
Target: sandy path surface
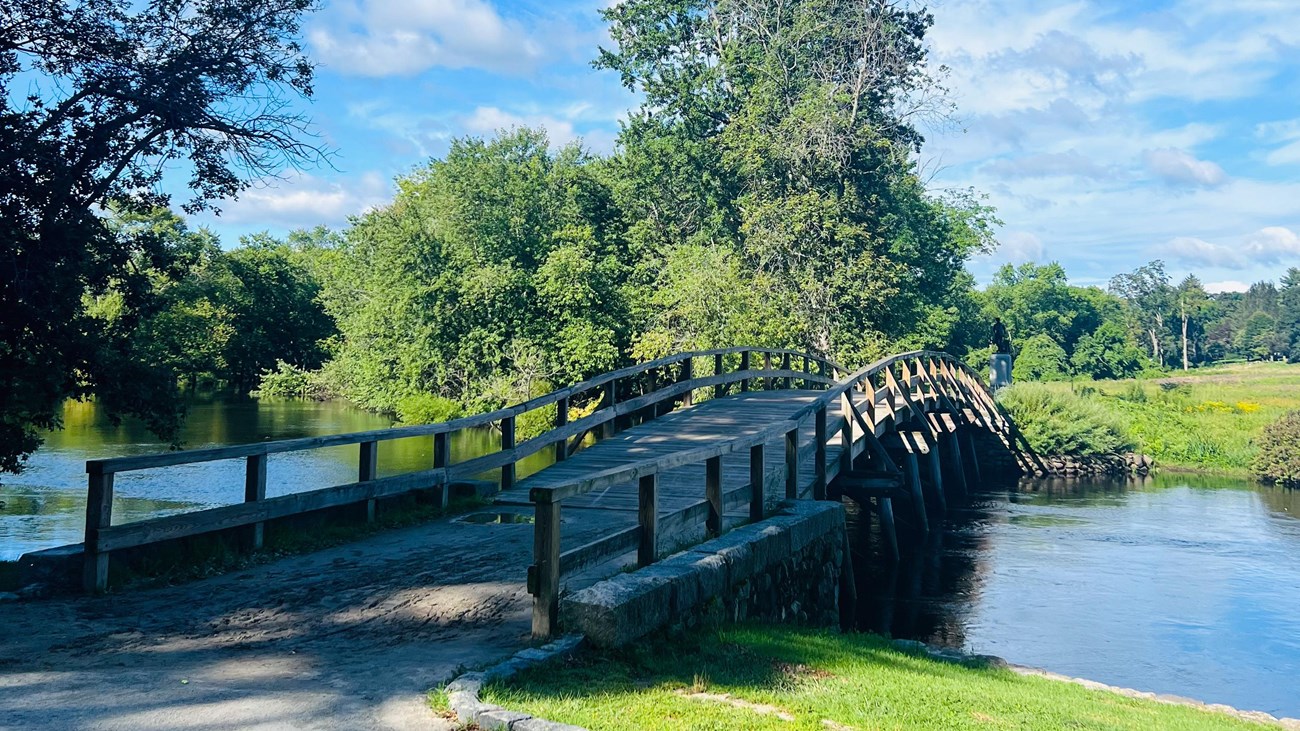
{"x": 351, "y": 637}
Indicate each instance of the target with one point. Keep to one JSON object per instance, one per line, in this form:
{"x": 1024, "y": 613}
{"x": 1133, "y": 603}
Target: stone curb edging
{"x": 462, "y": 693}
{"x": 949, "y": 655}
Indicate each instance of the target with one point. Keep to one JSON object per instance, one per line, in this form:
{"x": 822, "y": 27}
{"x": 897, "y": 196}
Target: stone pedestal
{"x": 999, "y": 370}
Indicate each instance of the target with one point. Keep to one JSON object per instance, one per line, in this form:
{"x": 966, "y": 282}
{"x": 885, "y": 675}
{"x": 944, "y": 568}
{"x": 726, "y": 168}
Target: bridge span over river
{"x": 686, "y": 445}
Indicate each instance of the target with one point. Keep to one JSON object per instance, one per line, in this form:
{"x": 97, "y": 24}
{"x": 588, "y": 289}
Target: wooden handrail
{"x": 931, "y": 368}
{"x": 101, "y": 537}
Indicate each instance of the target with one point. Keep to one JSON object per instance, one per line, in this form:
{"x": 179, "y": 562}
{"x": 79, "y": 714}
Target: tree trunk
{"x": 1185, "y": 364}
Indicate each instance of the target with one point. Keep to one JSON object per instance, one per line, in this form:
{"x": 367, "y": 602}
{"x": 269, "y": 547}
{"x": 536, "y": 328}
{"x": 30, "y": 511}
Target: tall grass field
{"x": 1206, "y": 419}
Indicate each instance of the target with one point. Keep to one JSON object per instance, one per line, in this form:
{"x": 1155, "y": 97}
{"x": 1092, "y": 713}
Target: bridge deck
{"x": 707, "y": 423}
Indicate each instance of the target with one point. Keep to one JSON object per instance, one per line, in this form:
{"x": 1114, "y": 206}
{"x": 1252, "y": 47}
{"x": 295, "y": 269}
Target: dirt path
{"x": 346, "y": 638}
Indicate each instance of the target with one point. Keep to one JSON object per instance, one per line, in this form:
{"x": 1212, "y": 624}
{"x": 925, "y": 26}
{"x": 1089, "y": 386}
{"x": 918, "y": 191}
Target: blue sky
{"x": 1105, "y": 133}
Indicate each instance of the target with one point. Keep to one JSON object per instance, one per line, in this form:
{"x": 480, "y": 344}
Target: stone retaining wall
{"x": 1116, "y": 465}
{"x": 783, "y": 569}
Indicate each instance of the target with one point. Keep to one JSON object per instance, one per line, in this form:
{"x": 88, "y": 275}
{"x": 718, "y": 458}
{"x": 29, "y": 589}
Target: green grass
{"x": 755, "y": 677}
{"x": 1206, "y": 419}
{"x": 1057, "y": 422}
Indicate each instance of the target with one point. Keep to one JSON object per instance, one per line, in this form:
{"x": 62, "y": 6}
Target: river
{"x": 1176, "y": 584}
{"x": 45, "y": 505}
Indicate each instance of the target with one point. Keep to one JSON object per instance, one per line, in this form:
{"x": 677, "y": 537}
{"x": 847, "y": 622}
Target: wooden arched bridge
{"x": 671, "y": 451}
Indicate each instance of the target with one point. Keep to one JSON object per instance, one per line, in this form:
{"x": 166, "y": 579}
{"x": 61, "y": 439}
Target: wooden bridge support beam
{"x": 99, "y": 514}
{"x": 972, "y": 457}
{"x": 819, "y": 454}
{"x": 648, "y": 518}
{"x": 956, "y": 465}
{"x": 887, "y": 527}
{"x": 442, "y": 459}
{"x": 912, "y": 476}
{"x": 757, "y": 480}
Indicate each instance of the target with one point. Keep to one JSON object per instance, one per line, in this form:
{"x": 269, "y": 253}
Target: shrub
{"x": 289, "y": 381}
{"x": 1040, "y": 359}
{"x": 1278, "y": 459}
{"x": 426, "y": 408}
{"x": 1059, "y": 422}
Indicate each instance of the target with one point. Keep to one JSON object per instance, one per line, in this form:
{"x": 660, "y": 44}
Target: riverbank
{"x": 1202, "y": 420}
{"x": 764, "y": 677}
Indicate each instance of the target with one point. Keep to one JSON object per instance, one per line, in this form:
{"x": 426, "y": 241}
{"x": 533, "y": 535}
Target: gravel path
{"x": 351, "y": 637}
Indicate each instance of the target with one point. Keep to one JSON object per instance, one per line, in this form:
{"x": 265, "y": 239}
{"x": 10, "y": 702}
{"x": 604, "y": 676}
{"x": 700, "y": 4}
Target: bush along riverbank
{"x": 1213, "y": 420}
{"x": 765, "y": 677}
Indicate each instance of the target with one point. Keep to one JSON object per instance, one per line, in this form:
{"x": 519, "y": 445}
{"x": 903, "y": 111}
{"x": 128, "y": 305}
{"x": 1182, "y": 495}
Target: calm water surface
{"x": 1173, "y": 584}
{"x": 45, "y": 505}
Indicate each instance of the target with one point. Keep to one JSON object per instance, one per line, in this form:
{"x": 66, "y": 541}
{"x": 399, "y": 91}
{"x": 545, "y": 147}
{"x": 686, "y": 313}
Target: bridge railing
{"x": 898, "y": 388}
{"x": 614, "y": 399}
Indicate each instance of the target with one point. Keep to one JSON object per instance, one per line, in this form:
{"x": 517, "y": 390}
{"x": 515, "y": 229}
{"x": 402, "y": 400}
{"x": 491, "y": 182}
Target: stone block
{"x": 619, "y": 610}
{"x": 500, "y": 719}
{"x": 58, "y": 568}
{"x": 541, "y": 724}
{"x": 709, "y": 570}
{"x": 736, "y": 551}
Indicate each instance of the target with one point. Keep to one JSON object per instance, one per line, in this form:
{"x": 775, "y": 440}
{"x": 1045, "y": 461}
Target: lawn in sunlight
{"x": 762, "y": 677}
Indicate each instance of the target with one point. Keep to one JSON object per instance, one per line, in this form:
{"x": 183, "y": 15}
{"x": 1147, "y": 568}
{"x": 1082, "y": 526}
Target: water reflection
{"x": 45, "y": 505}
{"x": 1177, "y": 584}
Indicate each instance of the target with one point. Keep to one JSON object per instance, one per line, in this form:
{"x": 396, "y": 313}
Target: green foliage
{"x": 290, "y": 381}
{"x": 1040, "y": 359}
{"x": 1278, "y": 460}
{"x": 1107, "y": 353}
{"x": 426, "y": 408}
{"x": 1060, "y": 422}
{"x": 496, "y": 268}
{"x": 97, "y": 101}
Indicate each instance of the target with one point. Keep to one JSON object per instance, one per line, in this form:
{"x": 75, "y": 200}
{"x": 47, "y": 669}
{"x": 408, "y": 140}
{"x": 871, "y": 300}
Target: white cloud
{"x": 1267, "y": 246}
{"x": 403, "y": 37}
{"x": 1050, "y": 164}
{"x": 303, "y": 200}
{"x": 488, "y": 120}
{"x": 1018, "y": 247}
{"x": 1179, "y": 168}
{"x": 1228, "y": 285}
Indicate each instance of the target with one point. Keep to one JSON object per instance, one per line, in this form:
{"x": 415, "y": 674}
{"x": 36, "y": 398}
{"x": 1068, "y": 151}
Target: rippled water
{"x": 45, "y": 505}
{"x": 1173, "y": 584}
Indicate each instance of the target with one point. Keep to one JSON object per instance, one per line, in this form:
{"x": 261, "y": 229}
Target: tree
{"x": 1193, "y": 303}
{"x": 120, "y": 92}
{"x": 1040, "y": 359}
{"x": 781, "y": 133}
{"x": 1149, "y": 297}
{"x": 1107, "y": 353}
{"x": 1288, "y": 323}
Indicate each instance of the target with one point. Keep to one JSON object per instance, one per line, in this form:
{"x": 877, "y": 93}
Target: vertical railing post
{"x": 821, "y": 371}
{"x": 720, "y": 389}
{"x": 99, "y": 515}
{"x": 846, "y": 431}
{"x": 767, "y": 366}
{"x": 367, "y": 468}
{"x": 819, "y": 453}
{"x": 807, "y": 368}
{"x": 792, "y": 464}
{"x": 652, "y": 385}
{"x": 255, "y": 490}
{"x": 611, "y": 397}
{"x": 507, "y": 445}
{"x": 744, "y": 366}
{"x": 713, "y": 494}
{"x": 687, "y": 374}
{"x": 442, "y": 460}
{"x": 546, "y": 568}
{"x": 648, "y": 519}
{"x": 757, "y": 480}
{"x": 561, "y": 419}
{"x": 785, "y": 366}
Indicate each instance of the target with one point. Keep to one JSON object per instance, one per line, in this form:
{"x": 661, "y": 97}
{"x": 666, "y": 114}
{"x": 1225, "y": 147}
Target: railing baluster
{"x": 807, "y": 368}
{"x": 442, "y": 460}
{"x": 767, "y": 366}
{"x": 99, "y": 514}
{"x": 648, "y": 518}
{"x": 546, "y": 568}
{"x": 819, "y": 453}
{"x": 611, "y": 396}
{"x": 367, "y": 468}
{"x": 744, "y": 366}
{"x": 720, "y": 389}
{"x": 561, "y": 419}
{"x": 785, "y": 366}
{"x": 688, "y": 373}
{"x": 846, "y": 431}
{"x": 792, "y": 464}
{"x": 757, "y": 481}
{"x": 254, "y": 490}
{"x": 713, "y": 493}
{"x": 508, "y": 444}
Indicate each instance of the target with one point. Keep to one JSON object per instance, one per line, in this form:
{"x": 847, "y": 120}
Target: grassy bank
{"x": 1206, "y": 419}
{"x": 756, "y": 677}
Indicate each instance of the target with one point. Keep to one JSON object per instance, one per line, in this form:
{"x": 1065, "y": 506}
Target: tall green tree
{"x": 1150, "y": 301}
{"x": 1193, "y": 306}
{"x": 97, "y": 99}
{"x": 781, "y": 134}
